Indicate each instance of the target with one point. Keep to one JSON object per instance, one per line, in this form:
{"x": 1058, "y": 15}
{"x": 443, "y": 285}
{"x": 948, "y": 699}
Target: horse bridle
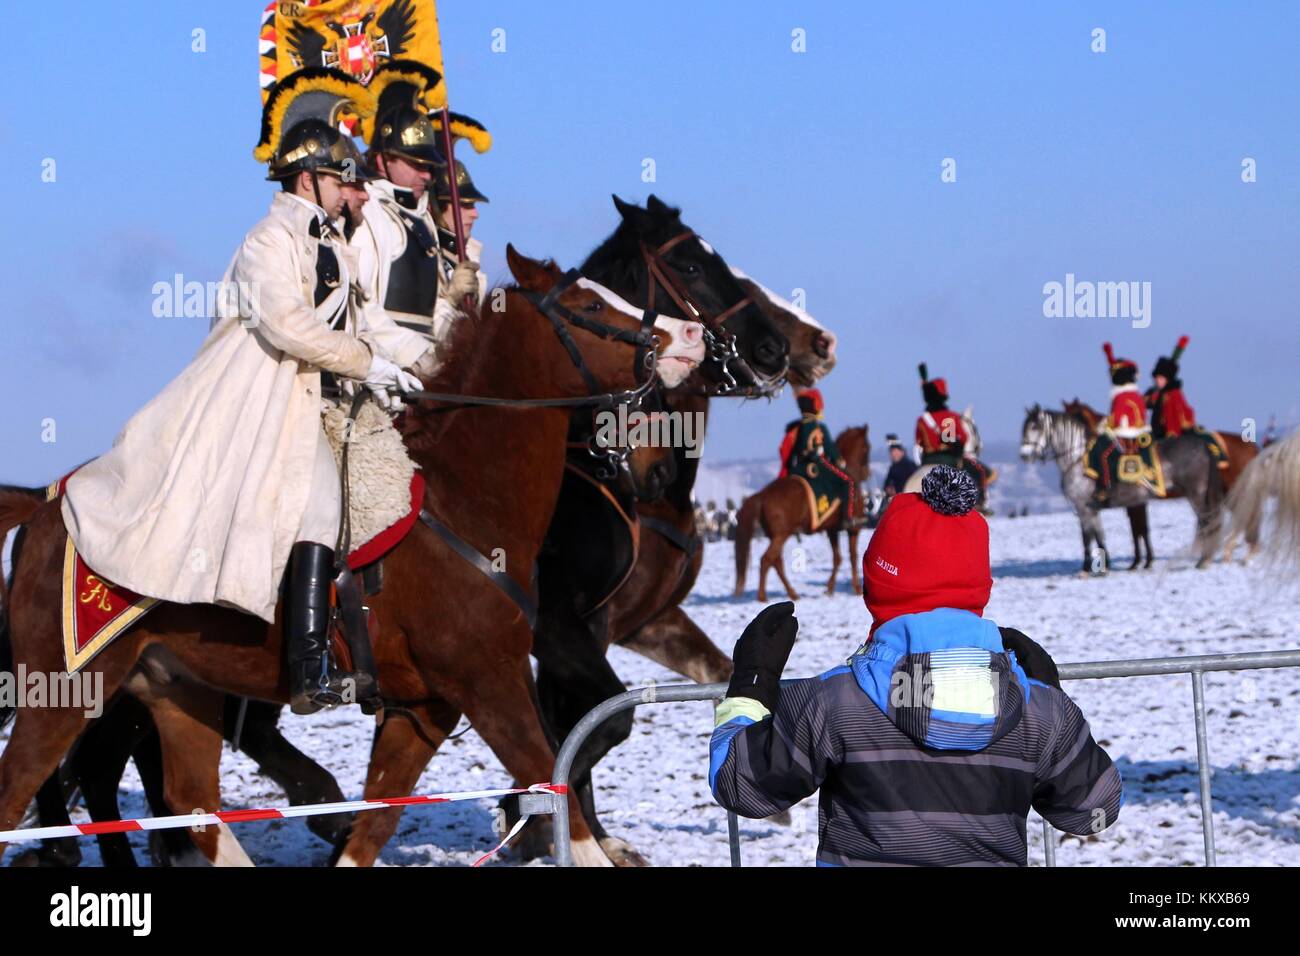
{"x": 561, "y": 317}
{"x": 1044, "y": 442}
{"x": 721, "y": 342}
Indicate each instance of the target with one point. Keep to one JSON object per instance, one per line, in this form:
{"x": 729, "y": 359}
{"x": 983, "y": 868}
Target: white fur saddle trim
{"x": 379, "y": 470}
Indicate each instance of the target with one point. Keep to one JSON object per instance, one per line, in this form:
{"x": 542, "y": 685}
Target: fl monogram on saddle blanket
{"x": 433, "y": 650}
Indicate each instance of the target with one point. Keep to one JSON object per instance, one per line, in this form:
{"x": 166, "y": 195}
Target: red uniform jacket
{"x": 938, "y": 430}
{"x": 1171, "y": 411}
{"x": 787, "y": 446}
{"x": 1128, "y": 413}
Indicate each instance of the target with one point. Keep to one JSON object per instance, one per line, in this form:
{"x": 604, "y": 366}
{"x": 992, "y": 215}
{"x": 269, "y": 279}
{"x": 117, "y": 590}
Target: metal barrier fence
{"x": 557, "y": 806}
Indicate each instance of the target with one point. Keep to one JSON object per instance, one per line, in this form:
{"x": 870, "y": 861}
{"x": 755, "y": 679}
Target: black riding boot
{"x": 306, "y": 628}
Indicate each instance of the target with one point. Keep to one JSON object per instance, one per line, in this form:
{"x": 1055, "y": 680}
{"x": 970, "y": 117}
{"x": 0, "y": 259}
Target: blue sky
{"x": 817, "y": 171}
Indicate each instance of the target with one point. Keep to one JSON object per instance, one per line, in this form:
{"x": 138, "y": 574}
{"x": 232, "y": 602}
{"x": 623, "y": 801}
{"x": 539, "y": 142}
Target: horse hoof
{"x": 620, "y": 852}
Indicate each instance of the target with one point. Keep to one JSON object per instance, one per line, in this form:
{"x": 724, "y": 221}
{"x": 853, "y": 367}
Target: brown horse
{"x": 458, "y": 645}
{"x": 782, "y": 508}
{"x": 1240, "y": 454}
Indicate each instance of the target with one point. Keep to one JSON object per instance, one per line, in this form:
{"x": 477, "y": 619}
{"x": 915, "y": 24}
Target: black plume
{"x": 949, "y": 491}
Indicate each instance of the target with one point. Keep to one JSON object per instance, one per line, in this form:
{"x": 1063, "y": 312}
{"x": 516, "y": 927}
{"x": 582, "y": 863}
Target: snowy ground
{"x": 653, "y": 789}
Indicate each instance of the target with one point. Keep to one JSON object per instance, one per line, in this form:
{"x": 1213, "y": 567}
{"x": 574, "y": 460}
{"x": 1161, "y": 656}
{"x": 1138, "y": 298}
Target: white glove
{"x": 464, "y": 281}
{"x": 385, "y": 375}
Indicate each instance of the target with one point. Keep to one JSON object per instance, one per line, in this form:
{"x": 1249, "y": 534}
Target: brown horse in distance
{"x": 458, "y": 645}
{"x": 782, "y": 509}
{"x": 1240, "y": 454}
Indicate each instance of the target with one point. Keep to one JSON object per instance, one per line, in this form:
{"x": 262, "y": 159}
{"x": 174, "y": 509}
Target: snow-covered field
{"x": 653, "y": 789}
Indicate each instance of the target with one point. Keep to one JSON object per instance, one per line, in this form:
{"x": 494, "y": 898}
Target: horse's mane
{"x": 616, "y": 260}
{"x": 468, "y": 341}
{"x": 461, "y": 354}
{"x": 23, "y": 490}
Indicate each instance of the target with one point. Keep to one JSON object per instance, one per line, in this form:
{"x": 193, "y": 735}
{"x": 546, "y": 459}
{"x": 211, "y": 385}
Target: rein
{"x": 561, "y": 317}
{"x": 721, "y": 342}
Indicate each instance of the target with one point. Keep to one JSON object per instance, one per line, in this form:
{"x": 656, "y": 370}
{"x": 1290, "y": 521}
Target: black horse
{"x": 652, "y": 259}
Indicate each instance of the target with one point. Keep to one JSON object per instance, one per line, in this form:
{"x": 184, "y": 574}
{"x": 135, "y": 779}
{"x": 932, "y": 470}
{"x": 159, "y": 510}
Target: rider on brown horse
{"x": 1171, "y": 415}
{"x": 227, "y": 479}
{"x": 808, "y": 451}
{"x": 396, "y": 241}
{"x": 470, "y": 197}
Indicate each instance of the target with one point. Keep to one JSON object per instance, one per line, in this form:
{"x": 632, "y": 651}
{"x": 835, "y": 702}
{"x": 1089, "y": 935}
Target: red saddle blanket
{"x": 95, "y": 610}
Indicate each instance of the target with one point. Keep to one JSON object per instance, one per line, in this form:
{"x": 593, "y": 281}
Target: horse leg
{"x": 302, "y": 779}
{"x": 189, "y": 721}
{"x": 39, "y": 739}
{"x": 573, "y": 676}
{"x": 52, "y": 811}
{"x": 855, "y": 567}
{"x": 404, "y": 744}
{"x": 98, "y": 761}
{"x": 672, "y": 639}
{"x": 773, "y": 557}
{"x": 764, "y": 565}
{"x": 1134, "y": 521}
{"x": 835, "y": 560}
{"x": 502, "y": 711}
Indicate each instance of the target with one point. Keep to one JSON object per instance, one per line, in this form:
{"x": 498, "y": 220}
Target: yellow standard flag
{"x": 354, "y": 36}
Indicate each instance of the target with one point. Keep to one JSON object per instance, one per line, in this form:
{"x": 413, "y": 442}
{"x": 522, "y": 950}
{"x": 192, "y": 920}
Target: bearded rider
{"x": 1127, "y": 421}
{"x": 226, "y": 478}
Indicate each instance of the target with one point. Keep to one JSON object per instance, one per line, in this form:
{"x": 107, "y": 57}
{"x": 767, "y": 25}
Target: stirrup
{"x": 312, "y": 691}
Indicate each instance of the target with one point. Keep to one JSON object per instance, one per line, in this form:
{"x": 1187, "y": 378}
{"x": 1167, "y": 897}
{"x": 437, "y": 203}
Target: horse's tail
{"x": 745, "y": 522}
{"x": 17, "y": 505}
{"x": 1274, "y": 472}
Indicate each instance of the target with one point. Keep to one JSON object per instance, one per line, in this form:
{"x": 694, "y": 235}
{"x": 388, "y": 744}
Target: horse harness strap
{"x": 560, "y": 317}
{"x": 721, "y": 342}
{"x": 522, "y": 599}
{"x": 687, "y": 543}
{"x": 662, "y": 274}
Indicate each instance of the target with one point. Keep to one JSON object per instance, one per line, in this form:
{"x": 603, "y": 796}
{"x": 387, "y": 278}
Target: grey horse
{"x": 1049, "y": 435}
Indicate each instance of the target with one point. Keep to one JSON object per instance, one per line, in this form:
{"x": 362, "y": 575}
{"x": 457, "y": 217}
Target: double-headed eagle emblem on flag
{"x": 352, "y": 36}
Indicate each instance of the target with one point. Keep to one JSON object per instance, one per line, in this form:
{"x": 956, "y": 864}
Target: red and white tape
{"x": 278, "y": 813}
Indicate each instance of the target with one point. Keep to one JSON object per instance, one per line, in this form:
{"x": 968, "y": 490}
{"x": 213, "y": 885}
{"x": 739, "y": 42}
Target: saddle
{"x": 1134, "y": 461}
{"x": 96, "y": 610}
{"x": 828, "y": 488}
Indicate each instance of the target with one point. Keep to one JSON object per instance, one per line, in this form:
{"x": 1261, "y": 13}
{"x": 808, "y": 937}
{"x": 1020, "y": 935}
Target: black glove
{"x": 1035, "y": 661}
{"x": 761, "y": 653}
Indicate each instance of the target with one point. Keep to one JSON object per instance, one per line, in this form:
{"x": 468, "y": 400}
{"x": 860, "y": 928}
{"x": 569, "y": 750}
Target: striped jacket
{"x": 928, "y": 747}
